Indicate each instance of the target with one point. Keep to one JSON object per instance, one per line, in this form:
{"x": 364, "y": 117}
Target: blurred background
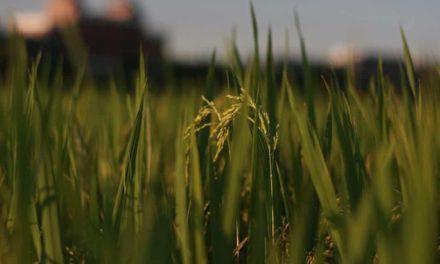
{"x": 186, "y": 32}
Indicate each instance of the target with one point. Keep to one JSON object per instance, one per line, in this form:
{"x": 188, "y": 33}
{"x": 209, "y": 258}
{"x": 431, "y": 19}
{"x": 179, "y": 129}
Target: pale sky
{"x": 193, "y": 28}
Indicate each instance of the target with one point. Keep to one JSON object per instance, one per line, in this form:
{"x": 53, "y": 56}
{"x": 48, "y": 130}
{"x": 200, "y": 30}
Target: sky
{"x": 193, "y": 28}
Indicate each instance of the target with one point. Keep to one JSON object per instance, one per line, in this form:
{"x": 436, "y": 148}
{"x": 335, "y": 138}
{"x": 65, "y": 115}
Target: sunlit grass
{"x": 272, "y": 172}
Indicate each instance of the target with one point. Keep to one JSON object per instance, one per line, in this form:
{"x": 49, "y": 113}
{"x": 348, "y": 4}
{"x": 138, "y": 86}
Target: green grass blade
{"x": 409, "y": 66}
{"x": 307, "y": 73}
{"x": 181, "y": 204}
{"x": 198, "y": 203}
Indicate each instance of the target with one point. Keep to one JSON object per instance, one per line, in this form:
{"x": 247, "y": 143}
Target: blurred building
{"x": 341, "y": 56}
{"x": 113, "y": 38}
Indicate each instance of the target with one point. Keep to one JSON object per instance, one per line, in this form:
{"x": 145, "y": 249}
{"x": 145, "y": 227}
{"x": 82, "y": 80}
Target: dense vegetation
{"x": 259, "y": 171}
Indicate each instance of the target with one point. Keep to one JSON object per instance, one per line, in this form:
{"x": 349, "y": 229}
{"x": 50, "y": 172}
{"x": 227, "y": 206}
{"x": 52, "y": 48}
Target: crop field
{"x": 263, "y": 170}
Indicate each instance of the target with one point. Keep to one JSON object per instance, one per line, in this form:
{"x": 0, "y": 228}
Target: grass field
{"x": 261, "y": 170}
